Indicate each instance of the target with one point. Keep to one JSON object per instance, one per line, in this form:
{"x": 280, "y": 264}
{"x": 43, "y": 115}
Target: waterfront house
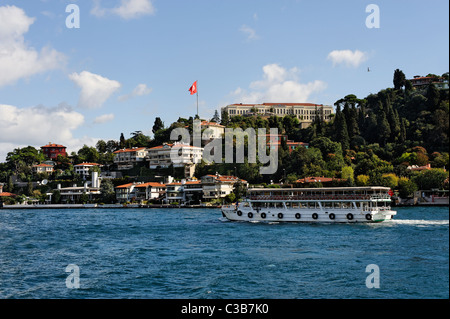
{"x": 218, "y": 186}
{"x": 74, "y": 194}
{"x": 175, "y": 193}
{"x": 184, "y": 192}
{"x": 140, "y": 191}
{"x": 125, "y": 192}
{"x": 150, "y": 190}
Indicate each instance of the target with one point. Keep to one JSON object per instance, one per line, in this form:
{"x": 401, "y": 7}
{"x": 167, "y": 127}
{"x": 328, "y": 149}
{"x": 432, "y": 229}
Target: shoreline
{"x": 87, "y": 206}
{"x": 116, "y": 206}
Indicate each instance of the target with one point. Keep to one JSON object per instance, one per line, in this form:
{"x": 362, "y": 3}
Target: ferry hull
{"x": 309, "y": 216}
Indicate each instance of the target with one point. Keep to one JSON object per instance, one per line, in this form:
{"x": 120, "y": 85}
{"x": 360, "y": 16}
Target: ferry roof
{"x": 362, "y": 188}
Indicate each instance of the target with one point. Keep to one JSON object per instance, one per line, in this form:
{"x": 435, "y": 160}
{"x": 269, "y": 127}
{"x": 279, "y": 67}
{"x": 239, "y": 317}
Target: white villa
{"x": 183, "y": 155}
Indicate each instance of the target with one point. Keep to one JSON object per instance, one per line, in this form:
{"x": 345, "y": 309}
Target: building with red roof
{"x": 128, "y": 157}
{"x": 52, "y": 150}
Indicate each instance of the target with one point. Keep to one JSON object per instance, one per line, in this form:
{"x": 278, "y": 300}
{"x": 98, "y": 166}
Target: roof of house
{"x": 151, "y": 184}
{"x": 6, "y": 194}
{"x": 53, "y": 145}
{"x": 88, "y": 164}
{"x": 129, "y": 150}
{"x": 125, "y": 185}
{"x": 206, "y": 123}
{"x": 320, "y": 179}
{"x": 185, "y": 183}
{"x": 226, "y": 178}
{"x": 419, "y": 168}
{"x": 42, "y": 165}
{"x": 160, "y": 146}
{"x": 174, "y": 146}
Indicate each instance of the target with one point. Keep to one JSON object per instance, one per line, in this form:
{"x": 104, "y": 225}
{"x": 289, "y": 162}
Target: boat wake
{"x": 419, "y": 222}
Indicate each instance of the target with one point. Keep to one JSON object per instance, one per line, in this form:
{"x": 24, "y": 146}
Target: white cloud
{"x": 140, "y": 90}
{"x": 347, "y": 57}
{"x": 17, "y": 59}
{"x": 128, "y": 9}
{"x": 249, "y": 32}
{"x": 95, "y": 89}
{"x": 38, "y": 125}
{"x": 278, "y": 85}
{"x": 104, "y": 118}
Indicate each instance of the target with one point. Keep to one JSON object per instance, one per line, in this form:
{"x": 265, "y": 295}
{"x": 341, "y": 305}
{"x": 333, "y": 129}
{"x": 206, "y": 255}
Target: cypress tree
{"x": 384, "y": 129}
{"x": 340, "y": 129}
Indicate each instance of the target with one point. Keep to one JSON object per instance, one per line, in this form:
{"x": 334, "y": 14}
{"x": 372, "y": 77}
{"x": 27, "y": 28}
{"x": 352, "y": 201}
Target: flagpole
{"x": 197, "y": 100}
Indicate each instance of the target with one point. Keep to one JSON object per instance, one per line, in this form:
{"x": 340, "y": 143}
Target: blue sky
{"x": 133, "y": 60}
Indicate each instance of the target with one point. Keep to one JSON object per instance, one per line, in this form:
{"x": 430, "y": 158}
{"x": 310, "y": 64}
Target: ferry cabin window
{"x": 346, "y": 205}
{"x": 327, "y": 204}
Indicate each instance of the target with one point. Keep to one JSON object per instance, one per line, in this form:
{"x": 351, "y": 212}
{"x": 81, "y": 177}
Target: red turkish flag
{"x": 391, "y": 193}
{"x": 193, "y": 88}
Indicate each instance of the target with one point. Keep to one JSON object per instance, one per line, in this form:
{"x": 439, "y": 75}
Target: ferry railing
{"x": 319, "y": 197}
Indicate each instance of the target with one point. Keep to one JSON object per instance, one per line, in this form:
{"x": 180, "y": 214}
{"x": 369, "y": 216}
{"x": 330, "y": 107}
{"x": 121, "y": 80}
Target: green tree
{"x": 432, "y": 96}
{"x": 399, "y": 79}
{"x": 362, "y": 180}
{"x": 101, "y": 146}
{"x": 21, "y": 159}
{"x": 88, "y": 154}
{"x": 29, "y": 188}
{"x": 122, "y": 141}
{"x": 406, "y": 187}
{"x": 239, "y": 190}
{"x": 348, "y": 173}
{"x": 56, "y": 197}
{"x": 107, "y": 191}
{"x": 158, "y": 125}
{"x": 225, "y": 119}
{"x": 430, "y": 179}
{"x": 340, "y": 128}
{"x": 384, "y": 129}
{"x": 216, "y": 117}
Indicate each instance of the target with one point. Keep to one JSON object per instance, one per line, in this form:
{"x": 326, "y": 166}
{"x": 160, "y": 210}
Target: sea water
{"x": 196, "y": 253}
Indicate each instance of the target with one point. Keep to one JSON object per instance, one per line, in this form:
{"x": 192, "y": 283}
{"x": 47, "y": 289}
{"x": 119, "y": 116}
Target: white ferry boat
{"x": 329, "y": 204}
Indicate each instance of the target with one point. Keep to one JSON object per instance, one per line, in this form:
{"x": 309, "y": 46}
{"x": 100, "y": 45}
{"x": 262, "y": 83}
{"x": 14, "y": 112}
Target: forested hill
{"x": 376, "y": 135}
{"x": 370, "y": 140}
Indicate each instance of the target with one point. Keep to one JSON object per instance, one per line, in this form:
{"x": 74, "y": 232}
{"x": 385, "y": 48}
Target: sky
{"x": 73, "y": 72}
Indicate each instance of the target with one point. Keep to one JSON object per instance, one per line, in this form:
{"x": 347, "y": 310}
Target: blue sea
{"x": 197, "y": 254}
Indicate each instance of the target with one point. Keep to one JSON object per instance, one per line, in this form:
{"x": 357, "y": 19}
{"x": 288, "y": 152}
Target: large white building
{"x": 305, "y": 112}
{"x": 178, "y": 154}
